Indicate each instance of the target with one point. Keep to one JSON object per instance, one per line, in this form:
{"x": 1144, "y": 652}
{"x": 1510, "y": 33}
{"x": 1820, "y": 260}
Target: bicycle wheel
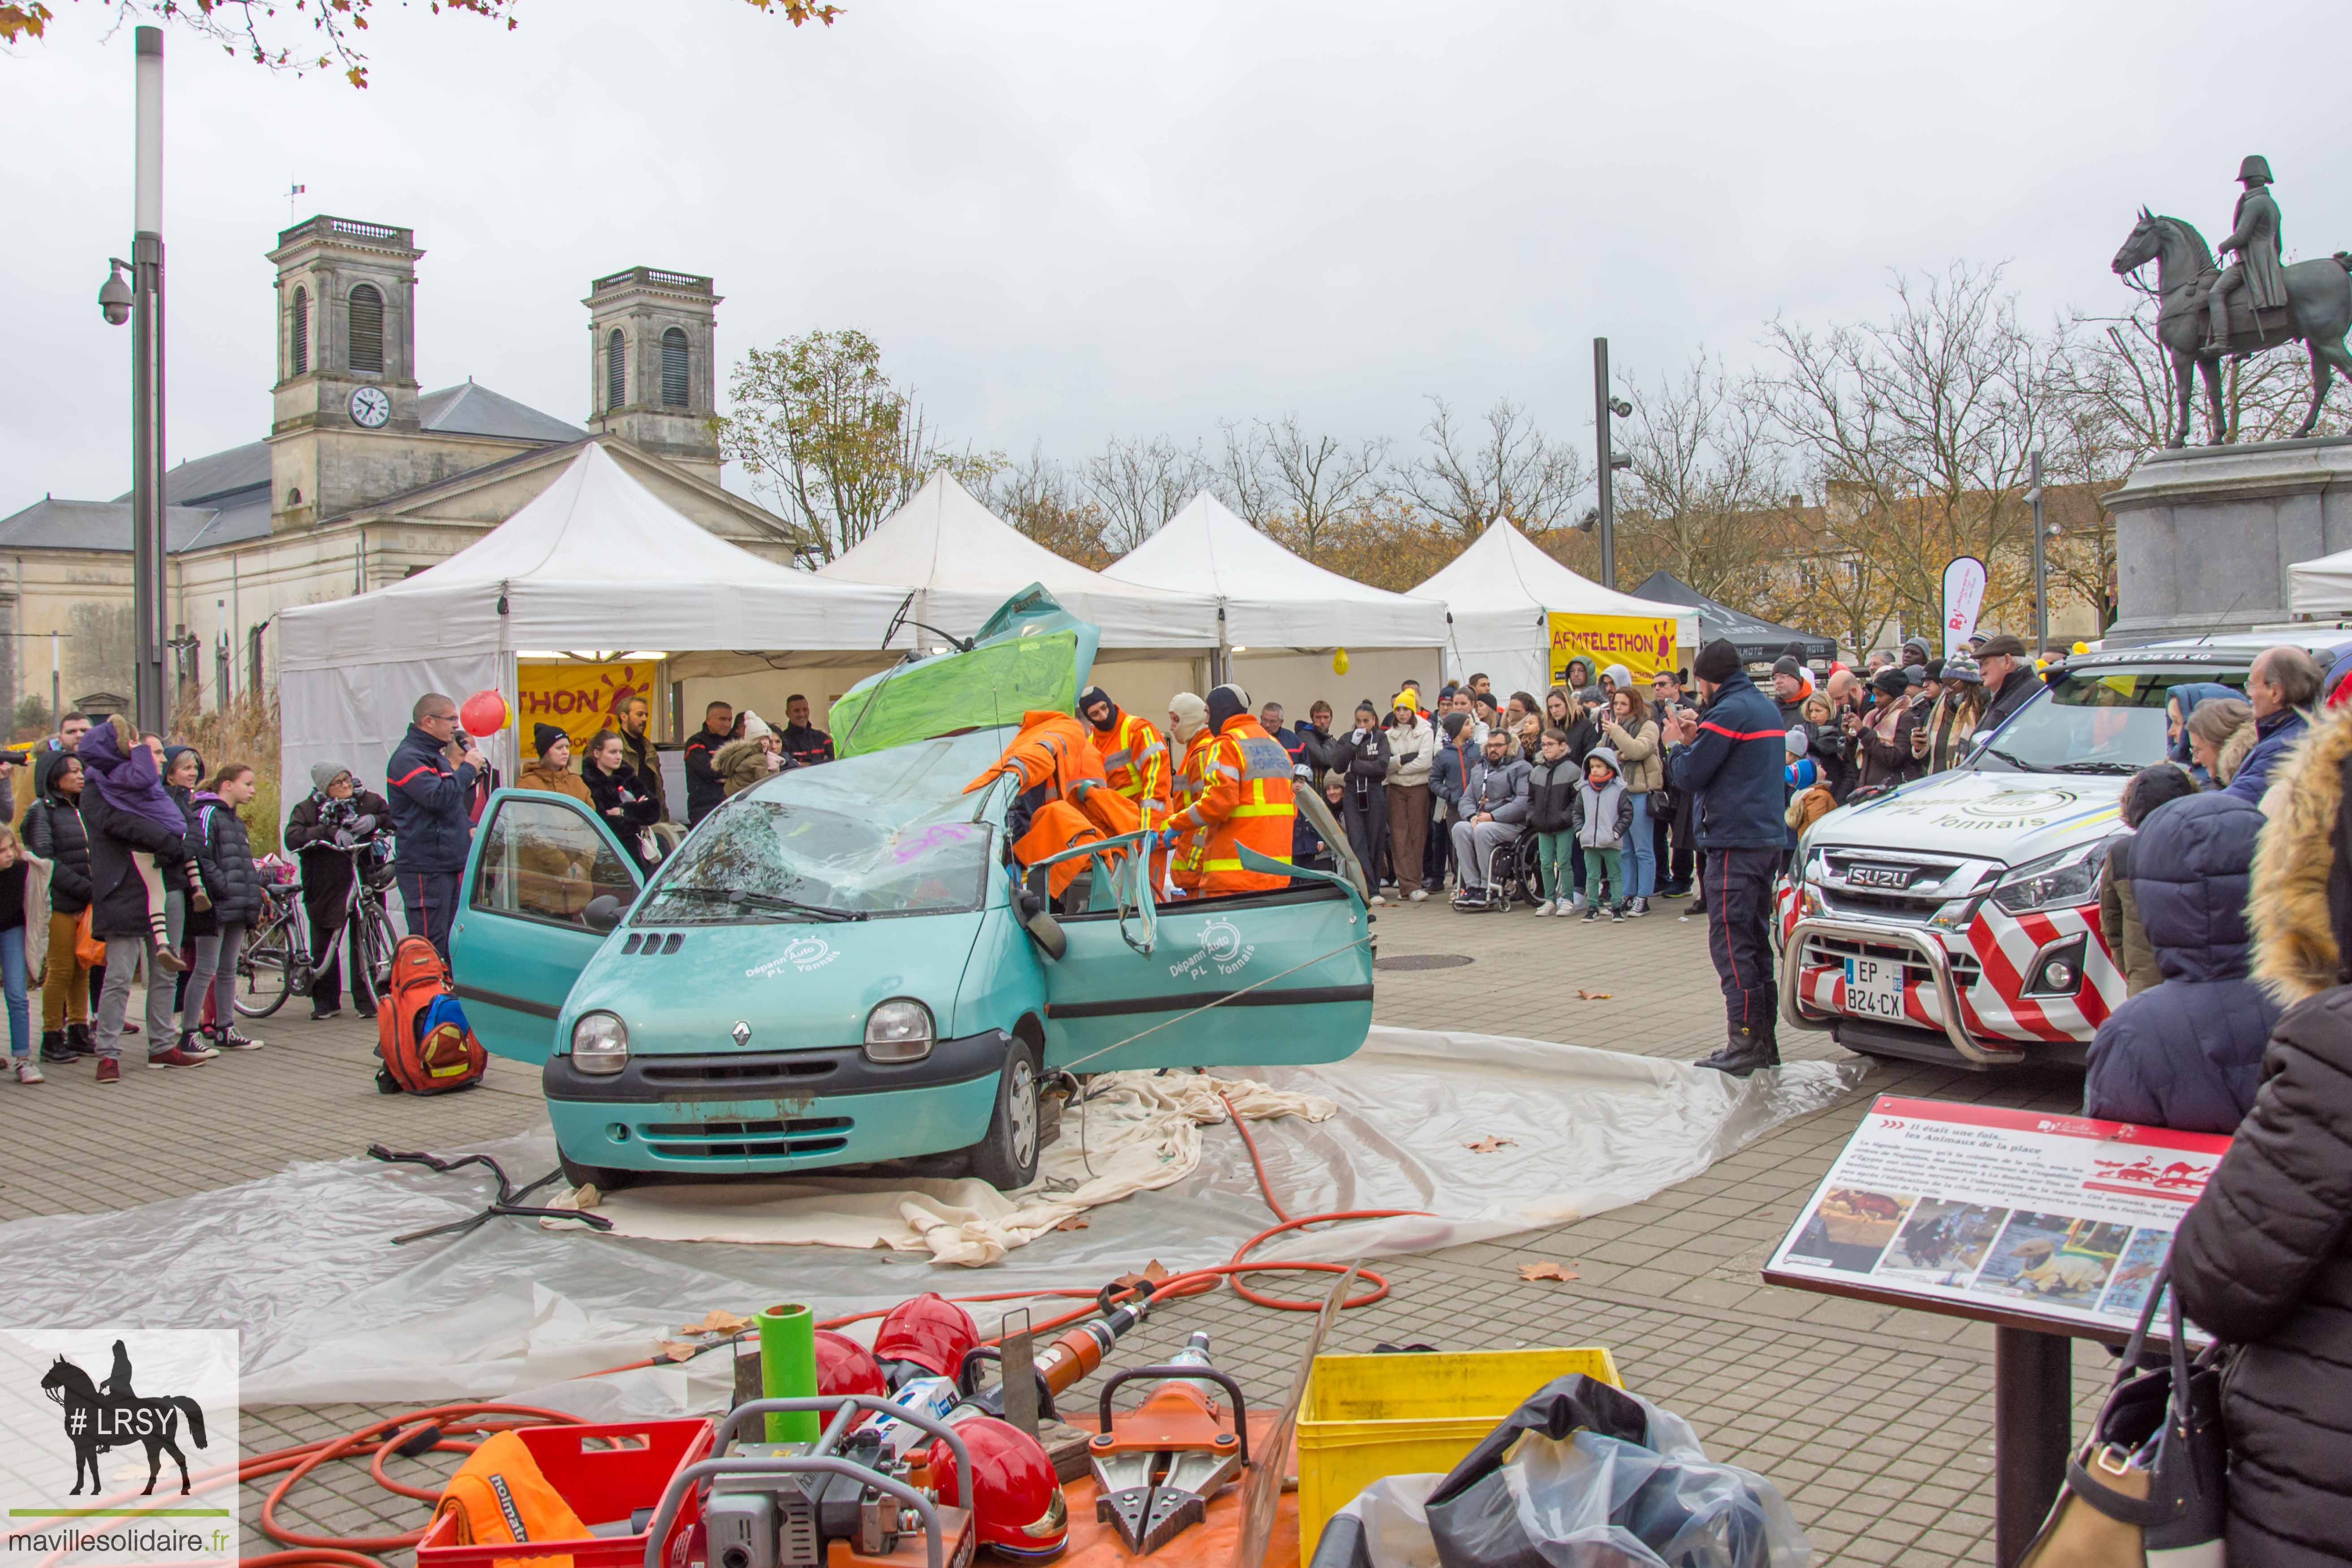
{"x": 375, "y": 945}
{"x": 264, "y": 972}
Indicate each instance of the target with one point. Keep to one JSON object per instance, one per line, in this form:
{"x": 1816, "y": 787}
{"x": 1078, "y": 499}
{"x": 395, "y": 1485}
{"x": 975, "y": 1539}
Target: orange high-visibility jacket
{"x": 1056, "y": 750}
{"x": 1135, "y": 761}
{"x": 1050, "y": 746}
{"x": 1188, "y": 763}
{"x": 1244, "y": 799}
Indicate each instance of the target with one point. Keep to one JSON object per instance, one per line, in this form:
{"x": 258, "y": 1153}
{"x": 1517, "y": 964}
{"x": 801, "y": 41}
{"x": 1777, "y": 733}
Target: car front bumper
{"x": 775, "y": 1111}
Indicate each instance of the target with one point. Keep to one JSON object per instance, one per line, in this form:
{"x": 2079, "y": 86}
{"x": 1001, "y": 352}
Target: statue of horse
{"x": 2319, "y": 309}
{"x": 96, "y": 1422}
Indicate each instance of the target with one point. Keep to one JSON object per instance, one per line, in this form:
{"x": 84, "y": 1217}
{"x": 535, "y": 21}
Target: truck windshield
{"x": 889, "y": 833}
{"x": 2094, "y": 723}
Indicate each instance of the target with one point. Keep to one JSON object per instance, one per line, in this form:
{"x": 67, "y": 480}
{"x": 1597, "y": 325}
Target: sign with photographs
{"x": 1983, "y": 1211}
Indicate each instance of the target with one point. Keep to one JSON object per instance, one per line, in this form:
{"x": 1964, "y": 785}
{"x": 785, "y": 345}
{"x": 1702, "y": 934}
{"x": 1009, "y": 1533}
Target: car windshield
{"x": 890, "y": 833}
{"x": 2095, "y": 723}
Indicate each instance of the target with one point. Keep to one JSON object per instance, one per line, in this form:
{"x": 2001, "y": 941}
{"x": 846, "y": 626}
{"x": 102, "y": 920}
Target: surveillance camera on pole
{"x": 140, "y": 302}
{"x": 1605, "y": 404}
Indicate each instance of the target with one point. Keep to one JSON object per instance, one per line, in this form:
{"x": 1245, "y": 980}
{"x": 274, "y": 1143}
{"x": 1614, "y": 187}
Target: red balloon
{"x": 483, "y": 714}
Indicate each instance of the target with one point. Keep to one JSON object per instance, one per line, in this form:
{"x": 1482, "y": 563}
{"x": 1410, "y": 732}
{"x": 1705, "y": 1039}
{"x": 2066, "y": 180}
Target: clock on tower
{"x": 369, "y": 407}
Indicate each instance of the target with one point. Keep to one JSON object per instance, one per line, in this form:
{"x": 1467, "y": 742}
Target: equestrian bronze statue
{"x": 2204, "y": 312}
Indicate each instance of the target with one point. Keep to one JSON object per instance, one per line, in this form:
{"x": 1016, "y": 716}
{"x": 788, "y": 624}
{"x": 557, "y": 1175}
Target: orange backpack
{"x": 421, "y": 1033}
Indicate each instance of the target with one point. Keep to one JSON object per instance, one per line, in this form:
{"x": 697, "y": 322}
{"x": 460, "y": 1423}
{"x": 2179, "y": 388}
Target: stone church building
{"x": 364, "y": 477}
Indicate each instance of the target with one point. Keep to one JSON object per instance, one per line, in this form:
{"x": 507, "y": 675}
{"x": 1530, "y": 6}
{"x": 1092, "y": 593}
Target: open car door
{"x": 524, "y": 930}
{"x": 1277, "y": 978}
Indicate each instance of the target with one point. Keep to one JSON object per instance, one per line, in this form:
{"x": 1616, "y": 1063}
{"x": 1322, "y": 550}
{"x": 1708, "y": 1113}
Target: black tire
{"x": 375, "y": 947}
{"x": 603, "y": 1178}
{"x": 1531, "y": 878}
{"x": 1007, "y": 1158}
{"x": 264, "y": 972}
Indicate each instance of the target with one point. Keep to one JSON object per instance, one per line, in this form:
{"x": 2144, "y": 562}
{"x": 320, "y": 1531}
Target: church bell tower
{"x": 346, "y": 362}
{"x": 652, "y": 365}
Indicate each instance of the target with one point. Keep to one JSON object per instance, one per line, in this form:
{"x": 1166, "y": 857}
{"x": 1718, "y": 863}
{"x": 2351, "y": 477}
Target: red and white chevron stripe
{"x": 1991, "y": 1007}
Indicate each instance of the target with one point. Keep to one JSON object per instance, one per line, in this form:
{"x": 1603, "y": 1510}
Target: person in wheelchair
{"x": 1494, "y": 812}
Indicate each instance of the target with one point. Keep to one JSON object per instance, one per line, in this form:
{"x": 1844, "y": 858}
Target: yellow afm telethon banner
{"x": 578, "y": 699}
{"x": 1643, "y": 644}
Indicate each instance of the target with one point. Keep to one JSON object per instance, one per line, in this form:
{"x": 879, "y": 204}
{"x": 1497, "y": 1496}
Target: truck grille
{"x": 1904, "y": 888}
{"x": 1832, "y": 951}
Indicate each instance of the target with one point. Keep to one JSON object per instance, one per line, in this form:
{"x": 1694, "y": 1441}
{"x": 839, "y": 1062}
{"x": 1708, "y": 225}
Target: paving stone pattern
{"x": 1876, "y": 1422}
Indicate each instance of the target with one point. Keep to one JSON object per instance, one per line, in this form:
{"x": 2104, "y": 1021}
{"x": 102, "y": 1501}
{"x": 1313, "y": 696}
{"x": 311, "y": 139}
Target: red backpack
{"x": 421, "y": 1032}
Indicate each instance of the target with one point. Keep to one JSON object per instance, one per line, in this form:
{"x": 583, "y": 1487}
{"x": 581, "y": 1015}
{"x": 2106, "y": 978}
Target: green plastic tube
{"x": 788, "y": 1369}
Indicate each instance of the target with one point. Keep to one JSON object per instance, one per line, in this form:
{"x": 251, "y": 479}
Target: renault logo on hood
{"x": 741, "y": 1032}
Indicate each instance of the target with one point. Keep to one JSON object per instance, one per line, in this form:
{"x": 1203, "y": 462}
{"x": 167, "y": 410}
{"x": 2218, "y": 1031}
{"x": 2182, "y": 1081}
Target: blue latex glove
{"x": 1167, "y": 838}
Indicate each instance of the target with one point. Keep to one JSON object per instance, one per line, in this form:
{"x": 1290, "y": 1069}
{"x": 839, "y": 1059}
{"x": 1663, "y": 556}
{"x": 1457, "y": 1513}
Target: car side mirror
{"x": 603, "y": 913}
{"x": 1037, "y": 919}
{"x": 1980, "y": 737}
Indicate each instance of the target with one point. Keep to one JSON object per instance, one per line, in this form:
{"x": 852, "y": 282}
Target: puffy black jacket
{"x": 2263, "y": 1261}
{"x": 431, "y": 829}
{"x": 704, "y": 788}
{"x": 623, "y": 805}
{"x": 1734, "y": 769}
{"x": 2188, "y": 1053}
{"x": 1551, "y": 796}
{"x": 225, "y": 857}
{"x": 54, "y": 831}
{"x": 118, "y": 895}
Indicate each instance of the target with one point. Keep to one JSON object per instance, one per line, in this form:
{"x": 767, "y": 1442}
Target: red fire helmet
{"x": 844, "y": 1366}
{"x": 929, "y": 1330}
{"x": 1017, "y": 1506}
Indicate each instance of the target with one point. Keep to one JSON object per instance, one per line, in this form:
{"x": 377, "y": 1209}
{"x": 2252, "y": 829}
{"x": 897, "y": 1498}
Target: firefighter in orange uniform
{"x": 1134, "y": 761}
{"x": 1244, "y": 799}
{"x": 1187, "y": 744}
{"x": 1065, "y": 799}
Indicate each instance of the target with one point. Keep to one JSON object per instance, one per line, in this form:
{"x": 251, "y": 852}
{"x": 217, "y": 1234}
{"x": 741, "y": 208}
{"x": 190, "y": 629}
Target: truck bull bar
{"x": 1930, "y": 952}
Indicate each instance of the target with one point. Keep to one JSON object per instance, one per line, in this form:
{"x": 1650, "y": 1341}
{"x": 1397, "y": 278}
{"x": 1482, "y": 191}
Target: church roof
{"x": 472, "y": 409}
{"x": 53, "y": 524}
{"x": 201, "y": 480}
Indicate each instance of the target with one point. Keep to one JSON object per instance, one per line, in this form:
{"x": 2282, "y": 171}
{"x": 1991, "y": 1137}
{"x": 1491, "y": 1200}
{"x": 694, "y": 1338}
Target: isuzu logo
{"x": 1894, "y": 878}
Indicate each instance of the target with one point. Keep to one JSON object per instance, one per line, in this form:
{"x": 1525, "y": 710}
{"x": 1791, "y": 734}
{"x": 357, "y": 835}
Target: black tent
{"x": 1759, "y": 641}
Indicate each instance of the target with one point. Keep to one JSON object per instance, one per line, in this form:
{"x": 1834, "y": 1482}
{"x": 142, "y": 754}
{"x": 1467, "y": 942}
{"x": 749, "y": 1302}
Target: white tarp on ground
{"x": 1502, "y": 589}
{"x": 595, "y": 560}
{"x": 301, "y": 1261}
{"x": 961, "y": 562}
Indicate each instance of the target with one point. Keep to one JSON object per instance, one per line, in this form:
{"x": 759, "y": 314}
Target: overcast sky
{"x": 1066, "y": 219}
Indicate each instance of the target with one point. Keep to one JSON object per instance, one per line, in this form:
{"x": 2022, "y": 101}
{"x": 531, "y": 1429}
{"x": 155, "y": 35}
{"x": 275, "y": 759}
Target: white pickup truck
{"x": 1955, "y": 919}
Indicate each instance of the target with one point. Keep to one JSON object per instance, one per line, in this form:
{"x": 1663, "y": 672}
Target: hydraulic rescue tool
{"x": 1157, "y": 1466}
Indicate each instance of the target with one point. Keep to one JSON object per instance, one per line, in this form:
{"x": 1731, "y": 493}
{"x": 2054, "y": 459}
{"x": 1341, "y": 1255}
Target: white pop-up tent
{"x": 1505, "y": 594}
{"x": 596, "y": 561}
{"x": 960, "y": 560}
{"x": 2321, "y": 587}
{"x": 1284, "y": 616}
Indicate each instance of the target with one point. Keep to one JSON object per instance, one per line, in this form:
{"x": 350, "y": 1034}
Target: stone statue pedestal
{"x": 2204, "y": 535}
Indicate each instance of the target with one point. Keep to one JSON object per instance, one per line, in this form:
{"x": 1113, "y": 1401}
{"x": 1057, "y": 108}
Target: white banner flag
{"x": 1964, "y": 590}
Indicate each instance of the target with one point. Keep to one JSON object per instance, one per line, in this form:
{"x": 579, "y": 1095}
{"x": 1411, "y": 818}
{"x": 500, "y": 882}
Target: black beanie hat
{"x": 1786, "y": 665}
{"x": 1717, "y": 662}
{"x": 1892, "y": 681}
{"x": 1227, "y": 701}
{"x": 544, "y": 736}
{"x": 1454, "y": 724}
{"x": 1088, "y": 698}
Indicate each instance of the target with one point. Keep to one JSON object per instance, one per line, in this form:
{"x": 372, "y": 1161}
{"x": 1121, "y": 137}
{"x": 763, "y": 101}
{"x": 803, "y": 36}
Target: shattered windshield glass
{"x": 890, "y": 833}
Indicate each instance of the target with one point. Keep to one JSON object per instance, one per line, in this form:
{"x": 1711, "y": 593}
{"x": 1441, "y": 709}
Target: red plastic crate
{"x": 605, "y": 1473}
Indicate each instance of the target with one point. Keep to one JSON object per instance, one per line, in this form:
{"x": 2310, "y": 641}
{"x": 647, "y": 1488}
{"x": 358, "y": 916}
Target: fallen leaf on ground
{"x": 1076, "y": 1222}
{"x": 1152, "y": 1274}
{"x": 1488, "y": 1144}
{"x": 1583, "y": 995}
{"x": 1533, "y": 1271}
{"x": 718, "y": 1320}
{"x": 675, "y": 1351}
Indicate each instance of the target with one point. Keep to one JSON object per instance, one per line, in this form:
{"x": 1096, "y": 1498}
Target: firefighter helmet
{"x": 844, "y": 1366}
{"x": 927, "y": 1331}
{"x": 1017, "y": 1506}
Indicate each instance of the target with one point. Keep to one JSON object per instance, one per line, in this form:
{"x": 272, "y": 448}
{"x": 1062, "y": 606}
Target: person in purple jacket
{"x": 121, "y": 772}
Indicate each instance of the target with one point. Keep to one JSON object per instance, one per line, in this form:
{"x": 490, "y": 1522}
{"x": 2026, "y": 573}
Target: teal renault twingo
{"x": 842, "y": 964}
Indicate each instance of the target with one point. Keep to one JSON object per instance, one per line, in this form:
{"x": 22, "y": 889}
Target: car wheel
{"x": 603, "y": 1178}
{"x": 1007, "y": 1157}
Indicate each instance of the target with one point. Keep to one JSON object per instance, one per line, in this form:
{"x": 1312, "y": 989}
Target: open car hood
{"x": 1032, "y": 654}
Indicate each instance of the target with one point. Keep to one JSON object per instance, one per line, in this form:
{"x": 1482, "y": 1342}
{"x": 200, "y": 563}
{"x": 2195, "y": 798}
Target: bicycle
{"x": 276, "y": 959}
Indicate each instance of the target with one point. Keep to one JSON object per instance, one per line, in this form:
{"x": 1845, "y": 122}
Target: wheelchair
{"x": 1514, "y": 876}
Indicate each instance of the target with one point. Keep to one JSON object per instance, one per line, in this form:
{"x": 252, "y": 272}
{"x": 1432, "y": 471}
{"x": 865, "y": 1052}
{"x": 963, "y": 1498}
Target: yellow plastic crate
{"x": 1366, "y": 1417}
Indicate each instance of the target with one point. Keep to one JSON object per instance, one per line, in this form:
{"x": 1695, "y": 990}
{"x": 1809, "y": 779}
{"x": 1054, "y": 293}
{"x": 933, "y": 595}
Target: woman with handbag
{"x": 615, "y": 790}
{"x": 2263, "y": 1260}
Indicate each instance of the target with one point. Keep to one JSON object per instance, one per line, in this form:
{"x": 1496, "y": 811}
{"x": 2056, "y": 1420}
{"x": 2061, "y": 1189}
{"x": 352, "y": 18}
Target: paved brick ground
{"x": 1876, "y": 1422}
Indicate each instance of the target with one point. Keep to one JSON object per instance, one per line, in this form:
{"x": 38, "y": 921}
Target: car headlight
{"x": 898, "y": 1030}
{"x": 2069, "y": 878}
{"x": 600, "y": 1043}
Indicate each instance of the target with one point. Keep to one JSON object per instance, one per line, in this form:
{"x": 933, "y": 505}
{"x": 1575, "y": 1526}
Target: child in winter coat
{"x": 1601, "y": 814}
{"x": 1551, "y": 818}
{"x": 123, "y": 774}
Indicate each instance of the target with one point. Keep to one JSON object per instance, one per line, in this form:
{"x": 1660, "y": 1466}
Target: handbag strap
{"x": 2122, "y": 1507}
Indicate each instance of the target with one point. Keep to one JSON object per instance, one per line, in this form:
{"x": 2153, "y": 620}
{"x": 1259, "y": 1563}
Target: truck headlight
{"x": 2061, "y": 881}
{"x": 600, "y": 1043}
{"x": 898, "y": 1030}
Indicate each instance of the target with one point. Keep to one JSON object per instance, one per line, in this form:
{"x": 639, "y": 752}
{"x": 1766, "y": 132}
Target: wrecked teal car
{"x": 842, "y": 965}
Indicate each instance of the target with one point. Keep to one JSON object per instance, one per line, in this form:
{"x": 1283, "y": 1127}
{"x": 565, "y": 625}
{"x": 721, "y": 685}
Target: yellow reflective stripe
{"x": 1236, "y": 865}
{"x": 1265, "y": 811}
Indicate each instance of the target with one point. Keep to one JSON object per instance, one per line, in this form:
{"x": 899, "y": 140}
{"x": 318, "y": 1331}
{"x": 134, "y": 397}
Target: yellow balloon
{"x": 1340, "y": 661}
{"x": 2081, "y": 648}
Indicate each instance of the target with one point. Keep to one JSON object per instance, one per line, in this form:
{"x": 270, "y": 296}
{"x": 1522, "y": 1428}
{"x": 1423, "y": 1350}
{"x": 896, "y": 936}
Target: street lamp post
{"x": 140, "y": 302}
{"x": 2040, "y": 564}
{"x": 1603, "y": 405}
